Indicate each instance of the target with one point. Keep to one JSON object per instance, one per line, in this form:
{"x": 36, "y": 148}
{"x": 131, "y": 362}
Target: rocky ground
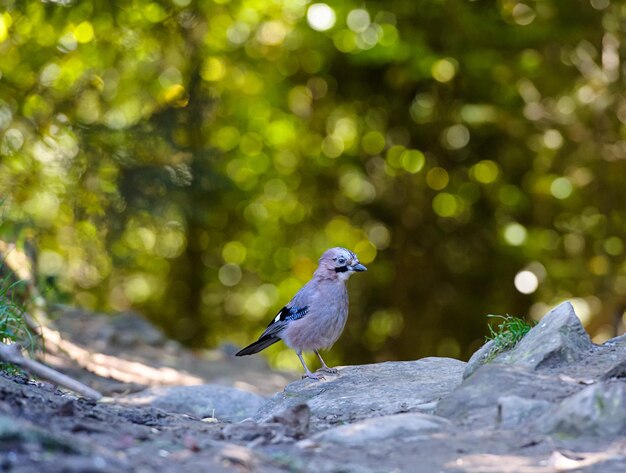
{"x": 556, "y": 402}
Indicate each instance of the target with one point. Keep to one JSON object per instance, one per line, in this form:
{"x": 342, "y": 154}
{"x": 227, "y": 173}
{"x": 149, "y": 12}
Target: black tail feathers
{"x": 261, "y": 344}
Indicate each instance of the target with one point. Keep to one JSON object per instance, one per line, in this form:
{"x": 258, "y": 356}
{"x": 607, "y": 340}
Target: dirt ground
{"x": 44, "y": 429}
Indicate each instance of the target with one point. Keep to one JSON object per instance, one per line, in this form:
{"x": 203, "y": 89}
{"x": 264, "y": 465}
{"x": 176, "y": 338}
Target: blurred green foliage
{"x": 192, "y": 159}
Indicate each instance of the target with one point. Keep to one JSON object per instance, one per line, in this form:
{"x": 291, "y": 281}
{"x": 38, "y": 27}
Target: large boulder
{"x": 360, "y": 392}
{"x": 558, "y": 338}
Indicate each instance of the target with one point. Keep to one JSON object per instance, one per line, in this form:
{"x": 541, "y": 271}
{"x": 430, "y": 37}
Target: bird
{"x": 315, "y": 317}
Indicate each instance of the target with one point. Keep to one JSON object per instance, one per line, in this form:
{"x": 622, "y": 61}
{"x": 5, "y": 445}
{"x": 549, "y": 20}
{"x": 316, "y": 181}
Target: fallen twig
{"x": 13, "y": 354}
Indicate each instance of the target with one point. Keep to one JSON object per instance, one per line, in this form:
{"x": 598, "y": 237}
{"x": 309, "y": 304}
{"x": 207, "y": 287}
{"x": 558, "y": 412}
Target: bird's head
{"x": 338, "y": 263}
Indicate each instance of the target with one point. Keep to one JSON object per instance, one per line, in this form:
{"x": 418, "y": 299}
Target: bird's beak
{"x": 358, "y": 267}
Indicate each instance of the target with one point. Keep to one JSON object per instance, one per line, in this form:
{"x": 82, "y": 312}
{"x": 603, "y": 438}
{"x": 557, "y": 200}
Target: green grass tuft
{"x": 506, "y": 334}
{"x": 13, "y": 327}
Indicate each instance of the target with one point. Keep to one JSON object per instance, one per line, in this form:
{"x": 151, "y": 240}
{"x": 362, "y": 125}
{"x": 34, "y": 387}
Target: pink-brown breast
{"x": 325, "y": 321}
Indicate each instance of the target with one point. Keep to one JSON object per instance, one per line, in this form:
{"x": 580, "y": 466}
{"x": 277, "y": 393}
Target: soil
{"x": 46, "y": 429}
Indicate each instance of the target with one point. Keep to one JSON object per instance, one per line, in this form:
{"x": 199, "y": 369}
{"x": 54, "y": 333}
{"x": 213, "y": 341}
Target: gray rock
{"x": 599, "y": 409}
{"x": 476, "y": 399}
{"x": 558, "y": 338}
{"x": 514, "y": 411}
{"x": 616, "y": 370}
{"x": 204, "y": 400}
{"x": 477, "y": 359}
{"x": 616, "y": 342}
{"x": 613, "y": 351}
{"x": 365, "y": 391}
{"x": 394, "y": 428}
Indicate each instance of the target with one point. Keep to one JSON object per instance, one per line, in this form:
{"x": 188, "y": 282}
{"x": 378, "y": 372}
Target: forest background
{"x": 191, "y": 160}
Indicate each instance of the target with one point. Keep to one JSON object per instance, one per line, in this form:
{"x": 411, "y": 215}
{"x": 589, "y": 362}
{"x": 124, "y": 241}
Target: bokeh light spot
{"x": 600, "y": 5}
{"x": 213, "y": 69}
{"x": 553, "y": 139}
{"x": 5, "y": 22}
{"x": 526, "y": 282}
{"x": 272, "y": 33}
{"x": 455, "y": 137}
{"x": 358, "y": 20}
{"x": 522, "y": 14}
{"x": 175, "y": 95}
{"x": 413, "y": 160}
{"x": 485, "y": 172}
{"x": 389, "y": 35}
{"x": 332, "y": 146}
{"x": 437, "y": 178}
{"x": 477, "y": 114}
{"x": 229, "y": 274}
{"x": 68, "y": 42}
{"x": 84, "y": 32}
{"x": 380, "y": 235}
{"x": 234, "y": 252}
{"x": 447, "y": 205}
{"x": 280, "y": 133}
{"x": 574, "y": 243}
{"x": 515, "y": 234}
{"x": 171, "y": 242}
{"x": 345, "y": 41}
{"x": 50, "y": 263}
{"x": 257, "y": 303}
{"x": 299, "y": 100}
{"x": 561, "y": 188}
{"x": 139, "y": 287}
{"x": 154, "y": 12}
{"x": 321, "y": 17}
{"x": 226, "y": 138}
{"x": 366, "y": 250}
{"x": 614, "y": 246}
{"x": 275, "y": 189}
{"x": 373, "y": 142}
{"x": 356, "y": 187}
{"x": 12, "y": 142}
{"x": 444, "y": 70}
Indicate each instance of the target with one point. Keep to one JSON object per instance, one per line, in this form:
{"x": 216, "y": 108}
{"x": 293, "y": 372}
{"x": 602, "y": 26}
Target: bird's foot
{"x": 326, "y": 369}
{"x": 314, "y": 376}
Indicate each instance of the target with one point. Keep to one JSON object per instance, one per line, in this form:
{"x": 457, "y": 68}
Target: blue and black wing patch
{"x": 290, "y": 313}
{"x": 272, "y": 332}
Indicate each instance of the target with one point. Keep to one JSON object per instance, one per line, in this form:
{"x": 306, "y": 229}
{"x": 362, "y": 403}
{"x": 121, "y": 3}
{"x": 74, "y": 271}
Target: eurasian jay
{"x": 317, "y": 314}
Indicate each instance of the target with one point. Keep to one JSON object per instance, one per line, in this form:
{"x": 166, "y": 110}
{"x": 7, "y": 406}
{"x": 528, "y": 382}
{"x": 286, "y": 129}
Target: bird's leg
{"x": 325, "y": 368}
{"x": 308, "y": 373}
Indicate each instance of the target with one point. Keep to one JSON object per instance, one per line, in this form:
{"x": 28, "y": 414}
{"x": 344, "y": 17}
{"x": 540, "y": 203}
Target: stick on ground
{"x": 13, "y": 354}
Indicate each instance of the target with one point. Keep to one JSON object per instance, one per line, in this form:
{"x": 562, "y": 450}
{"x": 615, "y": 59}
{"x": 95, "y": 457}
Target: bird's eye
{"x": 341, "y": 260}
